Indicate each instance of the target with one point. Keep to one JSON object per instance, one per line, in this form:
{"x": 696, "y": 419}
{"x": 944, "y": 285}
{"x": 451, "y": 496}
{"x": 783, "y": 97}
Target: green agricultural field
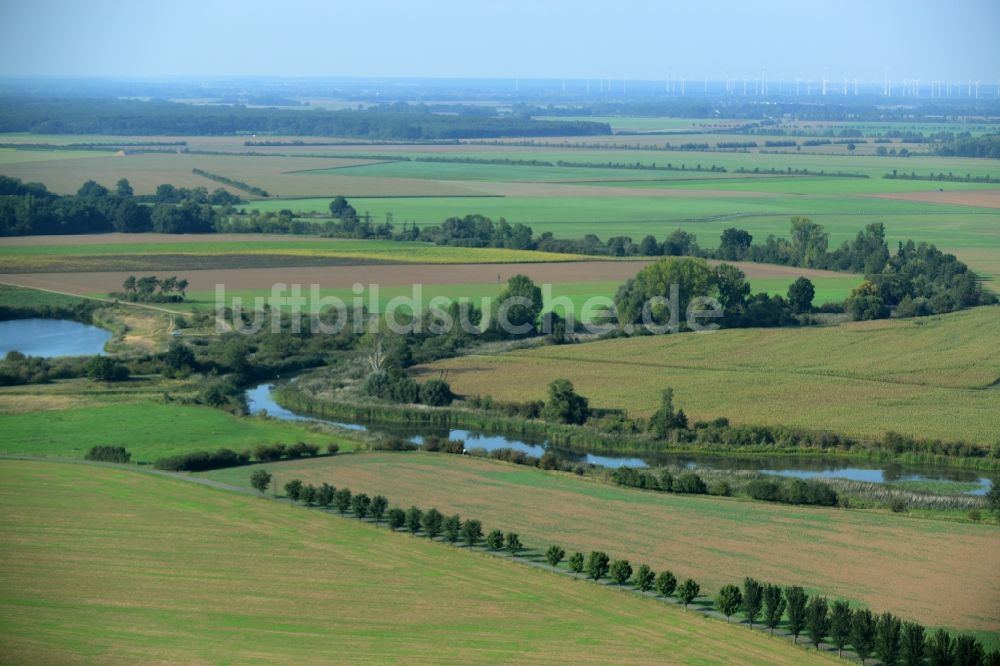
{"x": 972, "y": 234}
{"x": 202, "y": 252}
{"x": 935, "y": 572}
{"x": 116, "y": 566}
{"x": 930, "y": 377}
{"x": 68, "y": 425}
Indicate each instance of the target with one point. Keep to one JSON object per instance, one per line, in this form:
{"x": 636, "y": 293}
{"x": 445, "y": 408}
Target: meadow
{"x": 67, "y": 423}
{"x": 121, "y": 567}
{"x": 935, "y": 572}
{"x": 932, "y": 377}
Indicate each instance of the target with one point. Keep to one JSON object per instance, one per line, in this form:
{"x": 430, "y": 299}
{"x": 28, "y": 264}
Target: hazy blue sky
{"x": 473, "y": 38}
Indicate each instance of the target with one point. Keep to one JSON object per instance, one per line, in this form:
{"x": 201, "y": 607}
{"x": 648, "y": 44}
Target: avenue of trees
{"x": 151, "y": 289}
{"x": 886, "y": 637}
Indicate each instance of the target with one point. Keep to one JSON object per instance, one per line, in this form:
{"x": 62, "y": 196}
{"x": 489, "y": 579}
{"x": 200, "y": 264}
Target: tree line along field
{"x": 930, "y": 377}
{"x": 193, "y": 574}
{"x": 935, "y": 572}
{"x": 569, "y": 202}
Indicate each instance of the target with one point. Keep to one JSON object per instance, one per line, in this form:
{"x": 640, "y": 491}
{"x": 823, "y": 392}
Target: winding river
{"x": 260, "y": 398}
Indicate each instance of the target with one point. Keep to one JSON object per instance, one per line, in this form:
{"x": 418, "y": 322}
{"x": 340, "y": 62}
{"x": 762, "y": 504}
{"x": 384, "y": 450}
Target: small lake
{"x": 805, "y": 467}
{"x": 51, "y": 338}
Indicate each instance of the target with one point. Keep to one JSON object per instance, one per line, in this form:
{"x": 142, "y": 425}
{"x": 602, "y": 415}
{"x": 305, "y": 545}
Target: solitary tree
{"x": 914, "y": 644}
{"x": 801, "y": 294}
{"x": 941, "y": 649}
{"x": 293, "y": 490}
{"x": 840, "y": 624}
{"x": 260, "y": 480}
{"x": 396, "y": 518}
{"x": 817, "y": 620}
{"x": 774, "y": 606}
{"x": 513, "y": 544}
{"x": 564, "y": 404}
{"x": 597, "y": 565}
{"x": 554, "y": 555}
{"x": 359, "y": 505}
{"x": 665, "y": 418}
{"x": 666, "y": 583}
{"x": 863, "y": 629}
{"x": 888, "y": 632}
{"x": 796, "y": 599}
{"x": 379, "y": 503}
{"x": 452, "y": 528}
{"x": 728, "y": 600}
{"x": 342, "y": 500}
{"x": 620, "y": 571}
{"x": 472, "y": 532}
{"x": 494, "y": 540}
{"x": 517, "y": 307}
{"x": 688, "y": 592}
{"x": 576, "y": 562}
{"x": 413, "y": 519}
{"x": 432, "y": 522}
{"x": 644, "y": 578}
{"x": 753, "y": 599}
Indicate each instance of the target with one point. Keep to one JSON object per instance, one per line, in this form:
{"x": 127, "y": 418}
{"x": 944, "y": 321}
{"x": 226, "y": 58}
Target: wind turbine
{"x": 977, "y": 89}
{"x": 845, "y": 86}
{"x": 683, "y": 81}
{"x": 797, "y": 87}
{"x": 855, "y": 86}
{"x": 824, "y": 86}
{"x": 808, "y": 86}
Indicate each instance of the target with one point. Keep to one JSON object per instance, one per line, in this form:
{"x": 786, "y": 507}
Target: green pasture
{"x": 113, "y": 566}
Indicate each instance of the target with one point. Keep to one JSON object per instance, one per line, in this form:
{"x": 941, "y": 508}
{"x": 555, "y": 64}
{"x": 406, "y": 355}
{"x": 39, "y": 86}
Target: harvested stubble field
{"x": 935, "y": 572}
{"x": 203, "y": 575}
{"x": 925, "y": 377}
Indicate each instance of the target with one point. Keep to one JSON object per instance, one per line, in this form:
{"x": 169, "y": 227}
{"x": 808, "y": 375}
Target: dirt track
{"x": 385, "y": 275}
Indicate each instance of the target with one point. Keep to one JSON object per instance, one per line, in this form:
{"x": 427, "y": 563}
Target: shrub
{"x": 436, "y": 393}
{"x": 114, "y": 454}
{"x": 198, "y": 461}
{"x": 332, "y": 448}
{"x": 269, "y": 452}
{"x": 691, "y": 483}
{"x": 105, "y": 369}
{"x": 721, "y": 488}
